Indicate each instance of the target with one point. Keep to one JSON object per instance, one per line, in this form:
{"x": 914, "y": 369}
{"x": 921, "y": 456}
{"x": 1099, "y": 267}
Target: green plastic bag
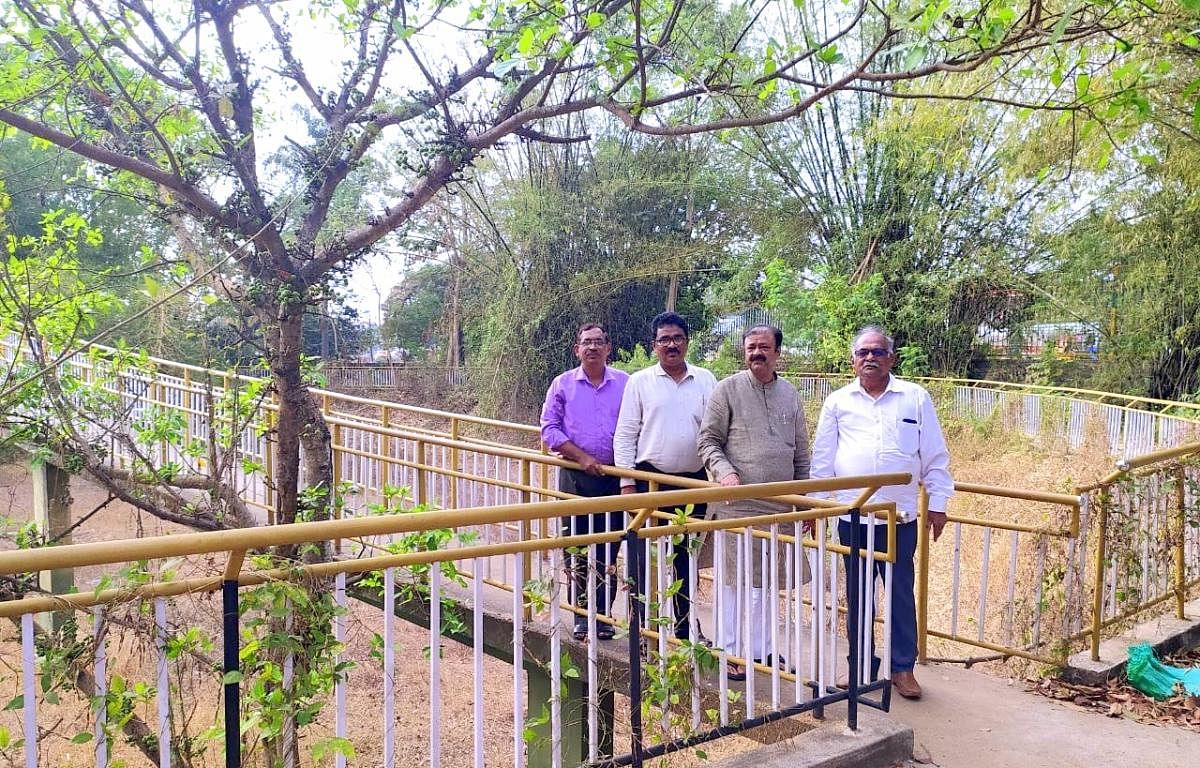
{"x": 1153, "y": 678}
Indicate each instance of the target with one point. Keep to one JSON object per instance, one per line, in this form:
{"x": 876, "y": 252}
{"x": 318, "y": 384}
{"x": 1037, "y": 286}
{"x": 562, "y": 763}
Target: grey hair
{"x": 891, "y": 344}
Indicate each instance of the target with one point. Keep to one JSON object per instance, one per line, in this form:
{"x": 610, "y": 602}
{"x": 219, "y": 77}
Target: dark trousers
{"x": 680, "y": 551}
{"x": 904, "y": 604}
{"x": 603, "y": 556}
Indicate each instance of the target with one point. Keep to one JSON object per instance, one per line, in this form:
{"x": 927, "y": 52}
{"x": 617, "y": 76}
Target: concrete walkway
{"x": 970, "y": 719}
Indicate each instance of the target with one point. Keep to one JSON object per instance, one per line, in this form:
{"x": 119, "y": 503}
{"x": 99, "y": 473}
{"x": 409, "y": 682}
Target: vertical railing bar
{"x": 693, "y": 583}
{"x": 796, "y": 606}
{"x": 435, "y": 665}
{"x": 1040, "y": 580}
{"x": 556, "y": 664}
{"x": 518, "y": 667}
{"x": 866, "y": 592}
{"x": 747, "y": 615}
{"x": 477, "y": 638}
{"x": 163, "y": 694}
{"x": 956, "y": 561}
{"x": 773, "y": 611}
{"x": 101, "y": 671}
{"x": 1012, "y": 587}
{"x": 636, "y": 606}
{"x": 29, "y": 680}
{"x": 816, "y": 648}
{"x": 831, "y": 633}
{"x": 389, "y": 666}
{"x": 231, "y": 666}
{"x": 888, "y": 572}
{"x": 339, "y": 685}
{"x": 981, "y": 612}
{"x": 720, "y": 594}
{"x": 665, "y": 614}
{"x": 593, "y": 642}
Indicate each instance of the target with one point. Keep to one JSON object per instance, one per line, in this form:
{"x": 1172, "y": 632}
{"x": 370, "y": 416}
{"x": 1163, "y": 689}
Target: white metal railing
{"x": 799, "y": 621}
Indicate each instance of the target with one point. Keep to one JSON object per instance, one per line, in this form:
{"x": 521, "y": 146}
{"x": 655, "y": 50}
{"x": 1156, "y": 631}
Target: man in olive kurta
{"x": 753, "y": 432}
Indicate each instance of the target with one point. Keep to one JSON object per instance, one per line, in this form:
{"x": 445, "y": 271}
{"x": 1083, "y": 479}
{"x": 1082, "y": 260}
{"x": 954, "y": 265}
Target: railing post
{"x": 523, "y": 569}
{"x": 923, "y": 575}
{"x": 633, "y": 555}
{"x": 853, "y": 600}
{"x": 1098, "y": 584}
{"x": 420, "y": 472}
{"x": 1180, "y": 537}
{"x": 385, "y": 446}
{"x": 335, "y": 441}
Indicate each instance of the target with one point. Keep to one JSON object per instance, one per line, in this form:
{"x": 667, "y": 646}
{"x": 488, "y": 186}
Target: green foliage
{"x": 822, "y": 320}
{"x": 634, "y": 359}
{"x": 414, "y": 309}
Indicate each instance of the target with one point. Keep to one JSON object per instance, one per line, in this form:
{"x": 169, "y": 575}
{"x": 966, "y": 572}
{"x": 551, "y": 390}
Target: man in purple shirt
{"x": 579, "y": 418}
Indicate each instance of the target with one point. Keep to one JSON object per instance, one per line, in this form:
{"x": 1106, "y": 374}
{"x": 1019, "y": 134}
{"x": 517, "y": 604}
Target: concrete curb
{"x": 1166, "y": 634}
{"x": 879, "y": 742}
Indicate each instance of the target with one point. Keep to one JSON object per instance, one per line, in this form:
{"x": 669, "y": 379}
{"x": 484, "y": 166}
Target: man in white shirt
{"x": 875, "y": 424}
{"x": 656, "y": 432}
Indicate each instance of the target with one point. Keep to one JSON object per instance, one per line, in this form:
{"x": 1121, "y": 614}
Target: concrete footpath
{"x": 970, "y": 719}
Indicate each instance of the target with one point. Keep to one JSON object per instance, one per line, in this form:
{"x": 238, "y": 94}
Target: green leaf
{"x": 914, "y": 57}
{"x": 83, "y": 737}
{"x": 17, "y": 702}
{"x": 1081, "y": 84}
{"x": 525, "y": 44}
{"x": 830, "y": 55}
{"x": 594, "y": 19}
{"x": 1191, "y": 5}
{"x": 232, "y": 677}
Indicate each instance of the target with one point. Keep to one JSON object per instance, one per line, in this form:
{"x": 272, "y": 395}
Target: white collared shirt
{"x": 660, "y": 419}
{"x": 899, "y": 432}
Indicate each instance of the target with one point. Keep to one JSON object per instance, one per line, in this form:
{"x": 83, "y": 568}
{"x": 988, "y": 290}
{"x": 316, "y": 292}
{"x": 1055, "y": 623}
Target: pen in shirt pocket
{"x": 909, "y": 421}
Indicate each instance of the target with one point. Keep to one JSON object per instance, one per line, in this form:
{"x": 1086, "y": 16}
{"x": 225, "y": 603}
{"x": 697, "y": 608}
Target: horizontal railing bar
{"x": 1162, "y": 454}
{"x": 1125, "y": 466}
{"x": 994, "y": 647}
{"x": 13, "y": 608}
{"x": 1047, "y": 497}
{"x": 99, "y": 553}
{"x": 1062, "y": 533}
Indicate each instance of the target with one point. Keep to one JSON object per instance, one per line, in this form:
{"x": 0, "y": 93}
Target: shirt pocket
{"x": 908, "y": 436}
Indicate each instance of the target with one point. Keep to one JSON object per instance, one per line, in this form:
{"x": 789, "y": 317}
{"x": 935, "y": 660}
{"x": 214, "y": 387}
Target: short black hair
{"x": 761, "y": 327}
{"x": 668, "y": 318}
{"x": 588, "y": 327}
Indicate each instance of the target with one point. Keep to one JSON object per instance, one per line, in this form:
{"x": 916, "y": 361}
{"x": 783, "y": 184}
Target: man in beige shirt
{"x": 753, "y": 432}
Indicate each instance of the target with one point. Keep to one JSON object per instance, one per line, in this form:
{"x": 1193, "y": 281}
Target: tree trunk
{"x": 302, "y": 436}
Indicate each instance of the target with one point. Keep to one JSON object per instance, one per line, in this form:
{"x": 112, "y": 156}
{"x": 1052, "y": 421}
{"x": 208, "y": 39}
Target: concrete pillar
{"x": 574, "y": 720}
{"x": 52, "y": 514}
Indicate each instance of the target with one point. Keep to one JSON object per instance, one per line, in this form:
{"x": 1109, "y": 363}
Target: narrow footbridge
{"x": 453, "y": 522}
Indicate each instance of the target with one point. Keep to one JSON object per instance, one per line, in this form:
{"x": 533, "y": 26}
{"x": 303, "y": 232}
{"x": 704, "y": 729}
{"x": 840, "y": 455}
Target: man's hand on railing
{"x": 937, "y": 521}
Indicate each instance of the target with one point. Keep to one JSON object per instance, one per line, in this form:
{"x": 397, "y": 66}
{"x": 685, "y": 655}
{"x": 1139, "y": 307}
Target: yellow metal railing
{"x": 374, "y": 440}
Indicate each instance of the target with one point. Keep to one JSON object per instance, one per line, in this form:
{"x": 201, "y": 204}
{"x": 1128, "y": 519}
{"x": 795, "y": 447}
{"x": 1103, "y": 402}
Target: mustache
{"x": 758, "y": 358}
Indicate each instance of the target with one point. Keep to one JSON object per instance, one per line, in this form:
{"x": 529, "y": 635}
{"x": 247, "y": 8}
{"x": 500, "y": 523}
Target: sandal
{"x": 605, "y": 631}
{"x": 734, "y": 671}
{"x": 580, "y": 633}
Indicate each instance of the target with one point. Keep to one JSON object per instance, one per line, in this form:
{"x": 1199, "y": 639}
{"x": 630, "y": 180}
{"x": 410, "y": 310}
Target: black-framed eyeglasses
{"x": 666, "y": 341}
{"x": 864, "y": 352}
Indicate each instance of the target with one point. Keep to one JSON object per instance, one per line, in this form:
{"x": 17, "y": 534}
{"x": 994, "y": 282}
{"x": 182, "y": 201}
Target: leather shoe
{"x": 905, "y": 684}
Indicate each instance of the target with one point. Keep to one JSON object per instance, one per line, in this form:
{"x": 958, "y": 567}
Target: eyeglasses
{"x": 666, "y": 341}
{"x": 864, "y": 352}
{"x": 593, "y": 342}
